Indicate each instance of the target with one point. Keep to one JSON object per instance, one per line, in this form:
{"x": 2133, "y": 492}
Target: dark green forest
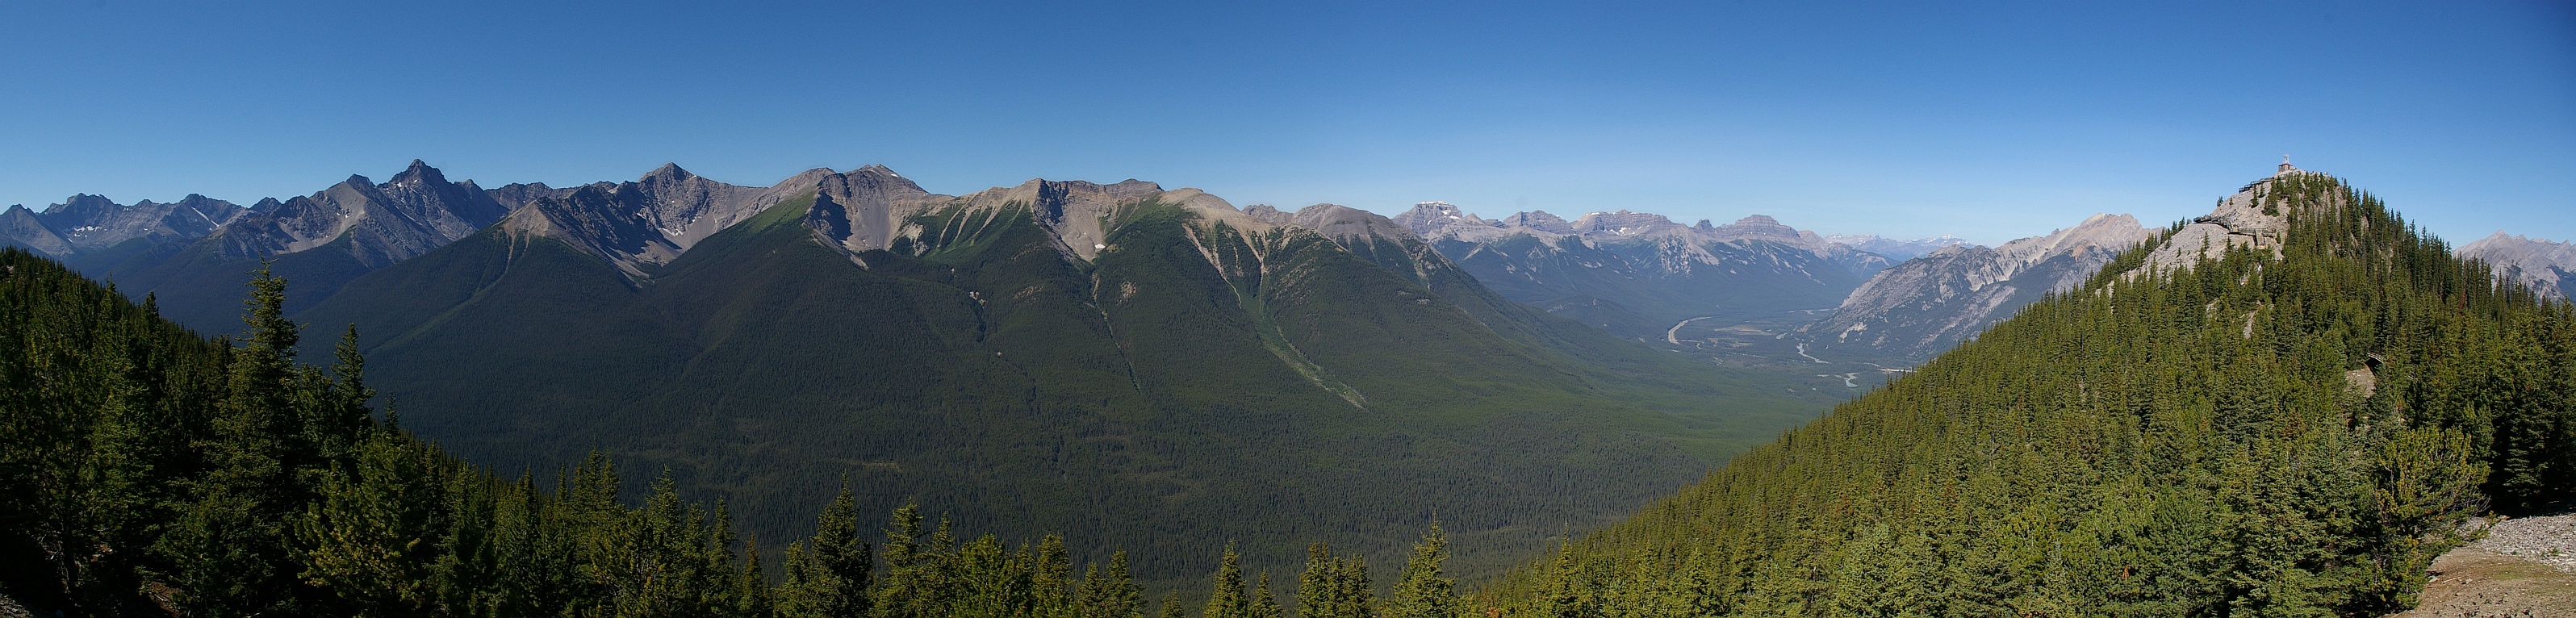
{"x": 2255, "y": 435}
{"x": 153, "y": 472}
{"x": 1196, "y": 380}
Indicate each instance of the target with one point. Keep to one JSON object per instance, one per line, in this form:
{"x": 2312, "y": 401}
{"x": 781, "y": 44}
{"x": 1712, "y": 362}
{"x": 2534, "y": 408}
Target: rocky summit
{"x": 2548, "y": 268}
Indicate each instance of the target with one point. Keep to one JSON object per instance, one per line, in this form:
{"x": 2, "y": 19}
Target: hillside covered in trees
{"x": 153, "y": 472}
{"x": 2291, "y": 422}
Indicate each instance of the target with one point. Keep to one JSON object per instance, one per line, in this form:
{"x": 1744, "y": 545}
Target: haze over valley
{"x": 1264, "y": 310}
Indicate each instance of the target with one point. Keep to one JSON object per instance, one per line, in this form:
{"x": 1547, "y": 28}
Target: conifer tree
{"x": 1112, "y": 593}
{"x": 1421, "y": 591}
{"x": 228, "y": 547}
{"x": 1265, "y": 604}
{"x": 1226, "y": 600}
{"x": 829, "y": 576}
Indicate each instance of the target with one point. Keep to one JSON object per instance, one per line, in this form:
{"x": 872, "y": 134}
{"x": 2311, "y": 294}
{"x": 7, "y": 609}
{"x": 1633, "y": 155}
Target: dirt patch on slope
{"x": 2475, "y": 583}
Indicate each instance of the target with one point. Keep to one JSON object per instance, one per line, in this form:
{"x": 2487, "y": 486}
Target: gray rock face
{"x": 872, "y": 208}
{"x": 646, "y": 222}
{"x": 416, "y": 211}
{"x": 2548, "y": 268}
{"x": 86, "y": 224}
{"x": 90, "y": 222}
{"x": 1637, "y": 273}
{"x": 1345, "y": 225}
{"x": 1428, "y": 216}
{"x": 2250, "y": 218}
{"x": 1894, "y": 249}
{"x": 21, "y": 228}
{"x": 1925, "y": 305}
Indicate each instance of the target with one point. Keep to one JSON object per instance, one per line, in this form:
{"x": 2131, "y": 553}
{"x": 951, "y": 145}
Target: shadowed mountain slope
{"x": 1050, "y": 356}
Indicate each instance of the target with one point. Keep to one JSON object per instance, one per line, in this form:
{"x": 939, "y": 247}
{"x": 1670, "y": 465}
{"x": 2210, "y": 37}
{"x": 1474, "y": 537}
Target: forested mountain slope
{"x": 151, "y": 472}
{"x": 2282, "y": 409}
{"x": 1134, "y": 367}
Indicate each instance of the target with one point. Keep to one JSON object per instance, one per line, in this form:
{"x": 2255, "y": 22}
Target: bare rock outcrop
{"x": 2548, "y": 268}
{"x": 1918, "y": 308}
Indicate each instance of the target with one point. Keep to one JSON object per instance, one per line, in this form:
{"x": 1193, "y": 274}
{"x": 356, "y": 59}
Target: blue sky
{"x": 1989, "y": 122}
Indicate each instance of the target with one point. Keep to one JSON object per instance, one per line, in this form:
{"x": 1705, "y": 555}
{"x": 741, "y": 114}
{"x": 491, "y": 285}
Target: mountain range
{"x": 1761, "y": 293}
{"x": 1908, "y": 313}
{"x": 1056, "y": 355}
{"x": 2280, "y": 407}
{"x": 2548, "y": 268}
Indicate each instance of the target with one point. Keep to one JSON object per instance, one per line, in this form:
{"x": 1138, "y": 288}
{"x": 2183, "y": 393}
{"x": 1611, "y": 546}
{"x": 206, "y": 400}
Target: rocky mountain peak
{"x": 20, "y": 227}
{"x": 92, "y": 222}
{"x": 418, "y": 173}
{"x": 1625, "y": 223}
{"x": 2547, "y": 268}
{"x": 1428, "y": 216}
{"x": 1913, "y": 309}
{"x": 1538, "y": 220}
{"x": 1343, "y": 223}
{"x": 1269, "y": 213}
{"x": 667, "y": 172}
{"x": 1762, "y": 227}
{"x": 417, "y": 211}
{"x": 2253, "y": 217}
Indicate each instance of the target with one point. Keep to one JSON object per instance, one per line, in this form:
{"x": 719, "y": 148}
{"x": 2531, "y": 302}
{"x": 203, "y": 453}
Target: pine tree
{"x": 1265, "y": 604}
{"x": 1051, "y": 580}
{"x": 828, "y": 577}
{"x": 1421, "y": 591}
{"x": 1112, "y": 593}
{"x": 1226, "y": 600}
{"x": 228, "y": 546}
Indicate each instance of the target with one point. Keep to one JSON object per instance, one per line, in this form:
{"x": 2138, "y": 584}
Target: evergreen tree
{"x": 1265, "y": 604}
{"x": 1226, "y": 599}
{"x": 1113, "y": 593}
{"x": 829, "y": 576}
{"x": 1421, "y": 591}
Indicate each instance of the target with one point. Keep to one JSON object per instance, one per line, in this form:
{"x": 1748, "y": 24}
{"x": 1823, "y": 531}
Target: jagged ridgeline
{"x": 2286, "y": 408}
{"x": 1135, "y": 367}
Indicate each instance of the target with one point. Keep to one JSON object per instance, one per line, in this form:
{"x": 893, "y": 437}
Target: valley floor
{"x": 2525, "y": 568}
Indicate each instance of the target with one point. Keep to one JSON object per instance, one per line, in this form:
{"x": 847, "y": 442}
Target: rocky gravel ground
{"x": 2547, "y": 540}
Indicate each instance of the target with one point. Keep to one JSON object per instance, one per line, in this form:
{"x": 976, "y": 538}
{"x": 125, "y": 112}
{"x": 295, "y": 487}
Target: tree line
{"x": 150, "y": 471}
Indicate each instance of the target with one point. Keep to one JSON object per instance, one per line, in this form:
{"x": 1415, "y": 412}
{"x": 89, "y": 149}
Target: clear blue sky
{"x": 1904, "y": 119}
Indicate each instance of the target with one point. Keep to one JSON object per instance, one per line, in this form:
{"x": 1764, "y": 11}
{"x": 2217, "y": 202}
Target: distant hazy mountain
{"x": 1049, "y": 356}
{"x": 1893, "y": 249}
{"x": 1911, "y": 311}
{"x": 91, "y": 229}
{"x": 1638, "y": 274}
{"x": 2548, "y": 268}
{"x": 317, "y": 242}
